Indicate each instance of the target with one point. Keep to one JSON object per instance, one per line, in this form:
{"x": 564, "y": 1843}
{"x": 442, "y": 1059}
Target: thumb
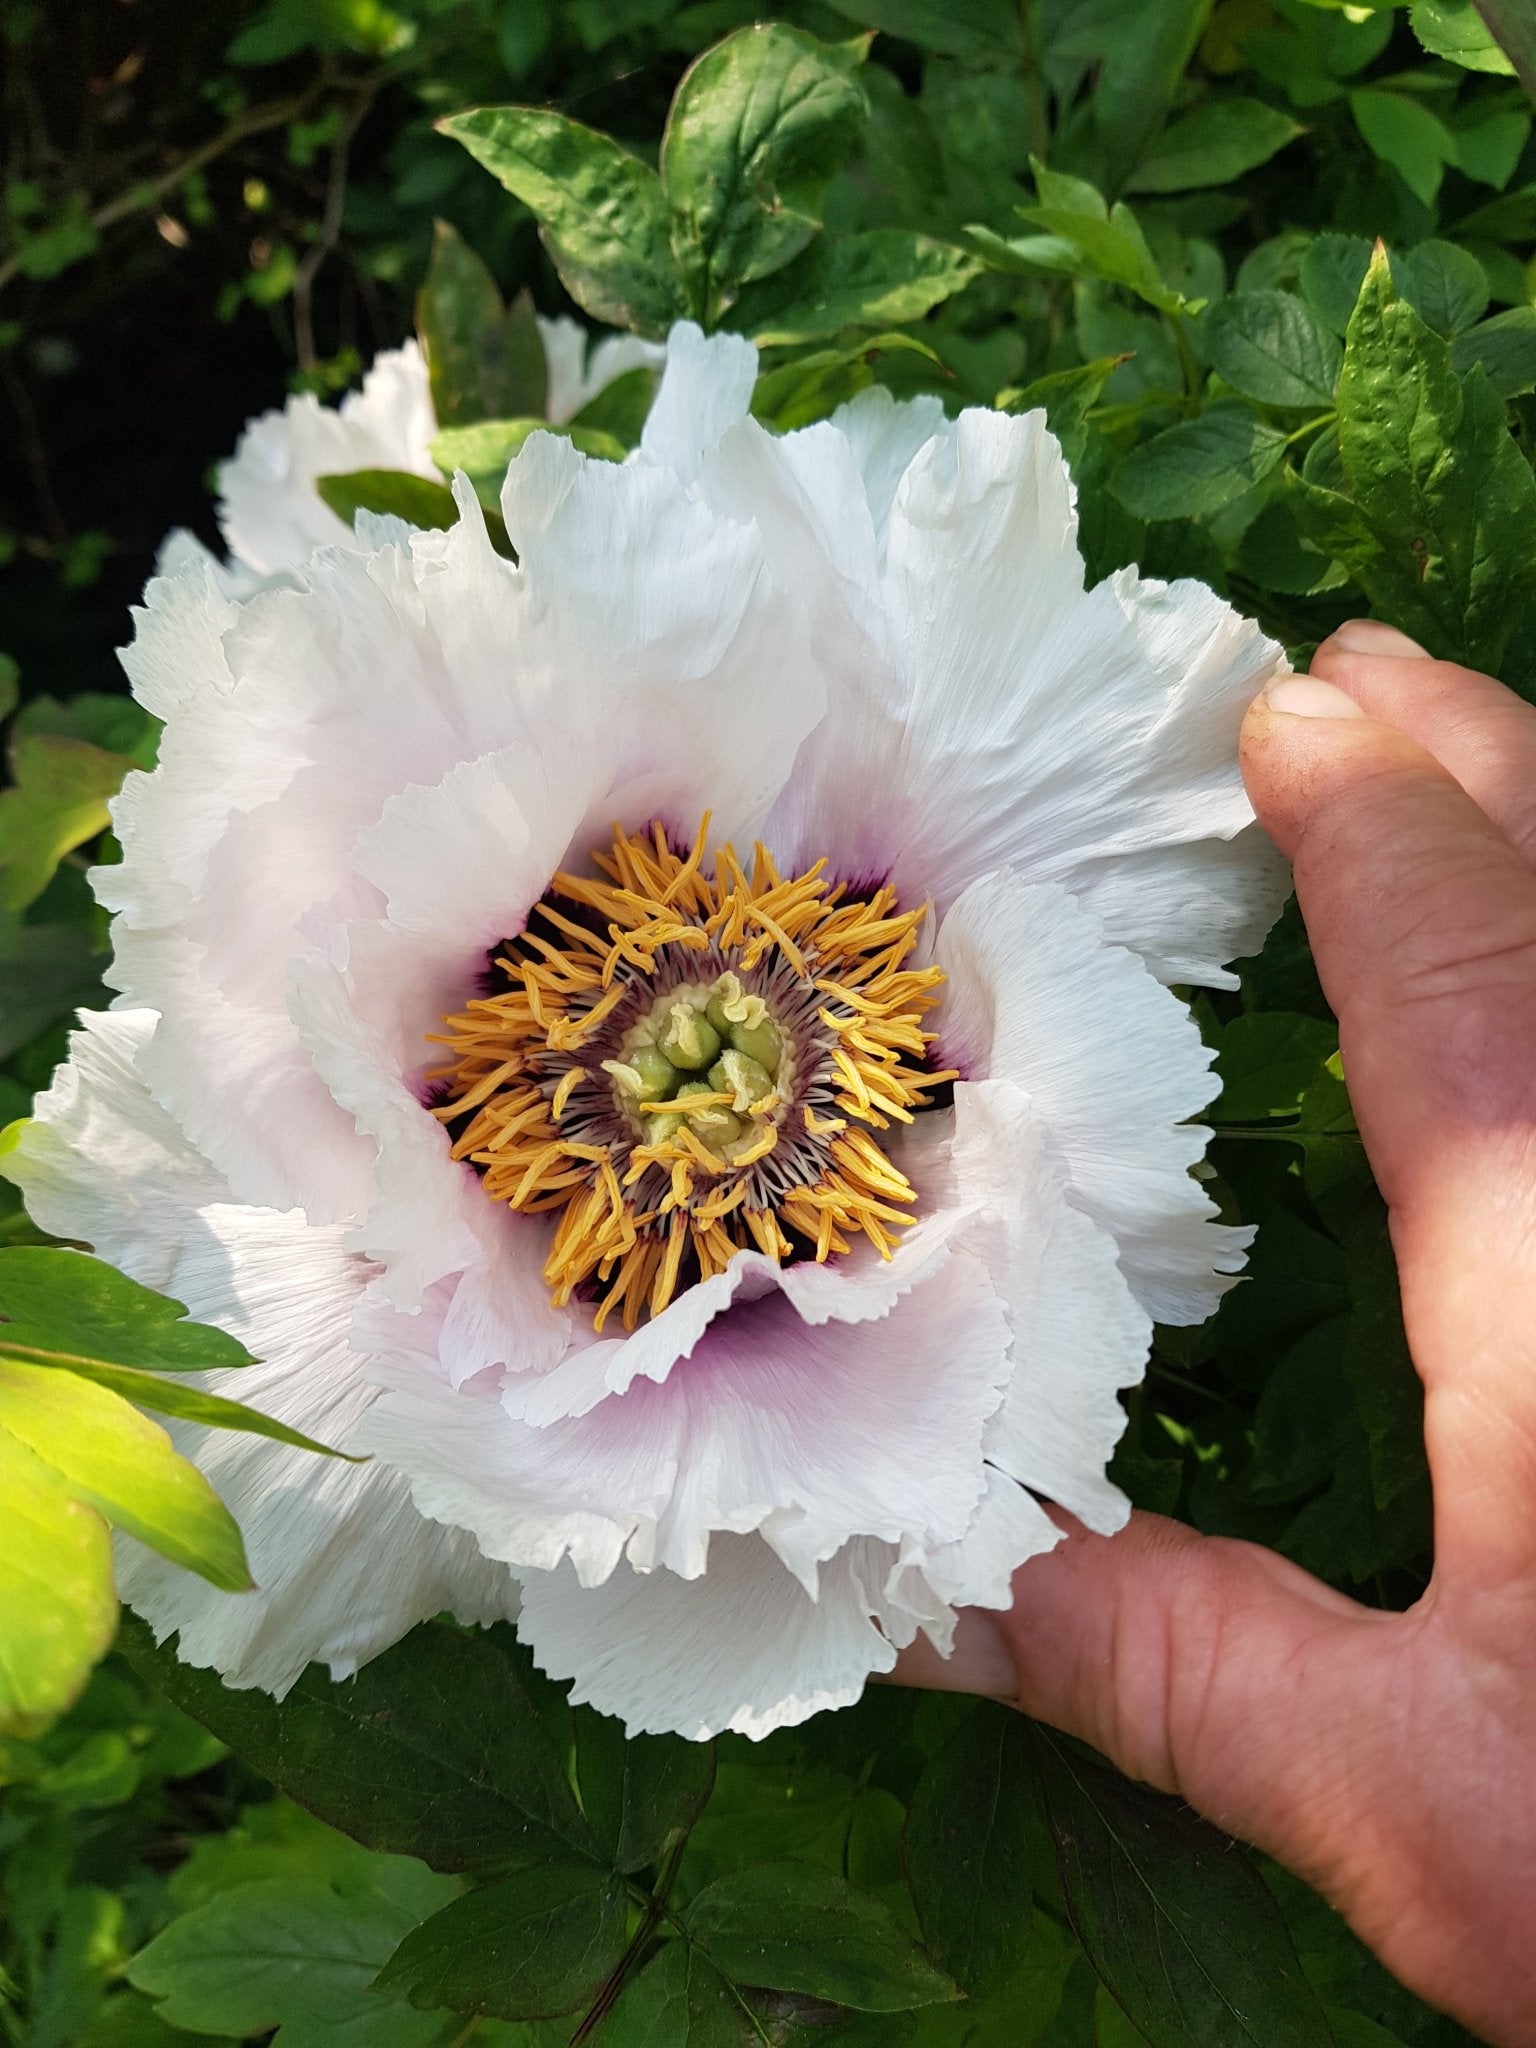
{"x": 1207, "y": 1667}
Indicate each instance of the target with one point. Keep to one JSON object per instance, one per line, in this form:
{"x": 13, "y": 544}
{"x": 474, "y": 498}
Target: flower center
{"x": 684, "y": 1066}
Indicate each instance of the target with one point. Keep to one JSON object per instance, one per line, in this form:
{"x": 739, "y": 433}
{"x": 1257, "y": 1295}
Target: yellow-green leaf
{"x": 57, "y": 1607}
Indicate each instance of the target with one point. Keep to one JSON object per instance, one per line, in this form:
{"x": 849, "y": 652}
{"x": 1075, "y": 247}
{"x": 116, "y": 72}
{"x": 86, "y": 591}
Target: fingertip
{"x": 1308, "y": 697}
{"x": 1372, "y": 637}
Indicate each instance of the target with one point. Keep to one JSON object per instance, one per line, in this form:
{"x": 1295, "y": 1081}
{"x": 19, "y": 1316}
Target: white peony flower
{"x": 598, "y": 1169}
{"x": 270, "y": 513}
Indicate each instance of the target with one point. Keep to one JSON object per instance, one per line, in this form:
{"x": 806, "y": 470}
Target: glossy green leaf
{"x": 434, "y": 1749}
{"x": 486, "y": 360}
{"x": 483, "y": 450}
{"x": 1216, "y": 143}
{"x": 289, "y": 1953}
{"x": 643, "y": 1793}
{"x": 968, "y": 1849}
{"x": 397, "y": 493}
{"x": 524, "y": 1947}
{"x": 123, "y": 1465}
{"x": 1446, "y": 287}
{"x": 57, "y": 1607}
{"x": 796, "y": 1927}
{"x": 1446, "y": 496}
{"x": 1504, "y": 347}
{"x": 880, "y": 278}
{"x": 1176, "y": 1920}
{"x": 1272, "y": 347}
{"x": 756, "y": 127}
{"x": 66, "y": 1303}
{"x": 982, "y": 31}
{"x": 679, "y": 2000}
{"x": 1199, "y": 465}
{"x": 1455, "y": 30}
{"x": 600, "y": 209}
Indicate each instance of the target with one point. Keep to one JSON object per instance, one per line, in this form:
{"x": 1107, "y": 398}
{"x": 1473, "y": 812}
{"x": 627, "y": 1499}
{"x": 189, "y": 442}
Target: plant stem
{"x": 655, "y": 1906}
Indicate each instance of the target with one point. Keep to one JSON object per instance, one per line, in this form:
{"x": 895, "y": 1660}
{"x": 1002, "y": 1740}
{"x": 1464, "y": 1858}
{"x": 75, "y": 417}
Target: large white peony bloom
{"x": 270, "y": 513}
{"x": 594, "y": 1168}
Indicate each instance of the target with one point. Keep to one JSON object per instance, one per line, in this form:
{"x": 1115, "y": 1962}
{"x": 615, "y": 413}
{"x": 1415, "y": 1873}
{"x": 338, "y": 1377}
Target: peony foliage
{"x": 693, "y": 990}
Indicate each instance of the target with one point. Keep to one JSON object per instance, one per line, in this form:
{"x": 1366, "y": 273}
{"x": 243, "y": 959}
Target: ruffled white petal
{"x": 343, "y": 1563}
{"x": 1111, "y": 1063}
{"x": 579, "y": 368}
{"x": 272, "y": 515}
{"x": 745, "y": 1648}
{"x": 705, "y": 388}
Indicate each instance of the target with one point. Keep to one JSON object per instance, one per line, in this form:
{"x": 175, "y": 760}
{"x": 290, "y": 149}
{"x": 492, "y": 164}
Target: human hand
{"x": 1390, "y": 1759}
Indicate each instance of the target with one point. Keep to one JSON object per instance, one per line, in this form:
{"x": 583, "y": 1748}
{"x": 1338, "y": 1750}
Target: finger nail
{"x": 1370, "y": 636}
{"x": 1309, "y": 697}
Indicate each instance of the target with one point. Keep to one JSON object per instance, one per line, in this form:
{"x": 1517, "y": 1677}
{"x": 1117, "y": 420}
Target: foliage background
{"x": 206, "y": 204}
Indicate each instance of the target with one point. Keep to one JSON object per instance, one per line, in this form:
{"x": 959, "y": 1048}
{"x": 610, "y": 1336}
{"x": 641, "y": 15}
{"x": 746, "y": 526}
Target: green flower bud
{"x": 660, "y": 1127}
{"x": 689, "y": 1040}
{"x": 741, "y": 1077}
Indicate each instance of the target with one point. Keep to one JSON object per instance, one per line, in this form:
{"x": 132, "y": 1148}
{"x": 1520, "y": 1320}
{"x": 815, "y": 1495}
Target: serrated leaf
{"x": 1272, "y": 347}
{"x": 968, "y": 1849}
{"x": 1176, "y": 1919}
{"x": 880, "y": 278}
{"x": 1199, "y": 465}
{"x": 796, "y": 1927}
{"x": 486, "y": 360}
{"x": 1446, "y": 287}
{"x": 1215, "y": 144}
{"x": 434, "y": 1750}
{"x": 600, "y": 210}
{"x": 57, "y": 1607}
{"x": 125, "y": 1467}
{"x": 289, "y": 1953}
{"x": 1448, "y": 498}
{"x": 642, "y": 1793}
{"x": 757, "y": 126}
{"x": 1504, "y": 347}
{"x": 524, "y": 1947}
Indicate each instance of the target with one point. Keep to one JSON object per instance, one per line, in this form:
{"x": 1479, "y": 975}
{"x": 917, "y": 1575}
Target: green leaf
{"x": 46, "y": 971}
{"x": 1446, "y": 287}
{"x": 187, "y": 1404}
{"x": 1266, "y": 1062}
{"x": 981, "y": 31}
{"x": 1176, "y": 1920}
{"x": 1389, "y": 1396}
{"x": 483, "y": 451}
{"x": 619, "y": 411}
{"x": 1275, "y": 554}
{"x": 1505, "y": 347}
{"x": 1199, "y": 465}
{"x": 524, "y": 1947}
{"x": 640, "y": 1794}
{"x": 812, "y": 387}
{"x": 1272, "y": 347}
{"x": 1332, "y": 271}
{"x": 58, "y": 802}
{"x": 880, "y": 278}
{"x": 486, "y": 361}
{"x": 1216, "y": 143}
{"x": 1447, "y": 497}
{"x": 1112, "y": 249}
{"x": 601, "y": 211}
{"x": 1066, "y": 397}
{"x": 434, "y": 1750}
{"x": 1455, "y": 30}
{"x": 416, "y": 499}
{"x": 57, "y": 1607}
{"x": 67, "y": 1303}
{"x": 679, "y": 2000}
{"x": 757, "y": 126}
{"x": 1489, "y": 149}
{"x": 1406, "y": 135}
{"x": 283, "y": 1952}
{"x": 968, "y": 1849}
{"x": 124, "y": 1466}
{"x": 795, "y": 1927}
